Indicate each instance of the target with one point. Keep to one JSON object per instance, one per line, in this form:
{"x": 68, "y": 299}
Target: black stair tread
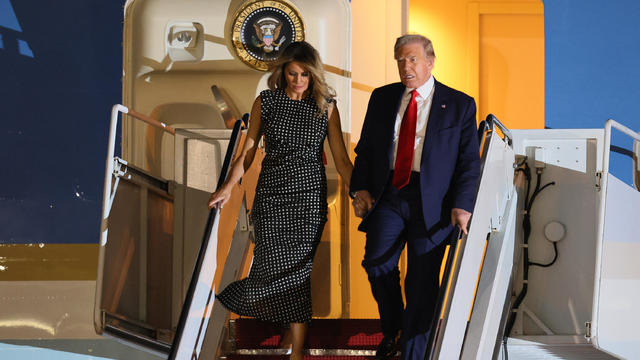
{"x": 345, "y": 334}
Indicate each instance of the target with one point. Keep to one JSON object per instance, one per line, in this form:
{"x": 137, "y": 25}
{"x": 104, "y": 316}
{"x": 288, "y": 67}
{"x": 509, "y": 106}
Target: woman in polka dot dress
{"x": 294, "y": 115}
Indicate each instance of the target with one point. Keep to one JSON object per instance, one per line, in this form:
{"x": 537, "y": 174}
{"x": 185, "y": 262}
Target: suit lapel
{"x": 436, "y": 118}
{"x": 395, "y": 100}
{"x": 390, "y": 118}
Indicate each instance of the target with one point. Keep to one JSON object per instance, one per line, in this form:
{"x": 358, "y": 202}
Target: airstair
{"x": 547, "y": 269}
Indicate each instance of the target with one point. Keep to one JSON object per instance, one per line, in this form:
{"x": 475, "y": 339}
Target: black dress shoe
{"x": 386, "y": 349}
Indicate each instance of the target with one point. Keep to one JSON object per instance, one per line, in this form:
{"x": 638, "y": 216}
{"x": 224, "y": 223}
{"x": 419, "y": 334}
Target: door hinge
{"x": 598, "y": 180}
{"x": 587, "y": 333}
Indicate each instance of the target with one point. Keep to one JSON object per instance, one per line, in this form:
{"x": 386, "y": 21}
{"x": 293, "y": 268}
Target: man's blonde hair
{"x": 415, "y": 38}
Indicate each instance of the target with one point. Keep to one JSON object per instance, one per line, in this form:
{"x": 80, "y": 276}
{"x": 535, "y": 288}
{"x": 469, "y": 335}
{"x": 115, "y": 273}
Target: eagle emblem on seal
{"x": 268, "y": 33}
{"x": 261, "y": 29}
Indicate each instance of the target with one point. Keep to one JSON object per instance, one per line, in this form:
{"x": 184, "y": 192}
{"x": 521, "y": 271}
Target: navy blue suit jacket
{"x": 450, "y": 164}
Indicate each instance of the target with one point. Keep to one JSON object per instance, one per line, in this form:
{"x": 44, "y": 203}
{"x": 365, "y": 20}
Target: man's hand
{"x": 362, "y": 203}
{"x": 460, "y": 218}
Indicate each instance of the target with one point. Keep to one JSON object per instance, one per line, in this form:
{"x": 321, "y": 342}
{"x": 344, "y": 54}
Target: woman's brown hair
{"x": 308, "y": 56}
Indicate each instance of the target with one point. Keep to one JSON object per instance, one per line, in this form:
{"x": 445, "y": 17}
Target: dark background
{"x": 60, "y": 70}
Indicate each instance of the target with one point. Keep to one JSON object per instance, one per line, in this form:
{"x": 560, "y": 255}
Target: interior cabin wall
{"x": 491, "y": 50}
{"x": 511, "y": 64}
{"x": 153, "y": 81}
{"x": 183, "y": 99}
{"x": 376, "y": 25}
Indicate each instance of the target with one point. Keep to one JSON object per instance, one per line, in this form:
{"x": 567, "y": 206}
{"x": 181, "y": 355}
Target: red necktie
{"x": 406, "y": 142}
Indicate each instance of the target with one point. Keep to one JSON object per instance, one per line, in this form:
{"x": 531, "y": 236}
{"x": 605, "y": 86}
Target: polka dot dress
{"x": 289, "y": 213}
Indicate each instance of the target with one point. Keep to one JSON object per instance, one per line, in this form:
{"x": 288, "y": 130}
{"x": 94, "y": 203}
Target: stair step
{"x": 307, "y": 357}
{"x": 339, "y": 334}
{"x": 310, "y": 352}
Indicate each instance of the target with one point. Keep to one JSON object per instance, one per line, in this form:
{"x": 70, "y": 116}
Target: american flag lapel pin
{"x": 444, "y": 106}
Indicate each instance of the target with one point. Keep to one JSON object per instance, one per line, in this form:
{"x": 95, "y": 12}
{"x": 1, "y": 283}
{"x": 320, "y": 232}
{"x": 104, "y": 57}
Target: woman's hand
{"x": 220, "y": 197}
{"x": 242, "y": 162}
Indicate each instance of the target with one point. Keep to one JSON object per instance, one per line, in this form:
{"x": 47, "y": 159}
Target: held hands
{"x": 460, "y": 218}
{"x": 362, "y": 202}
{"x": 220, "y": 197}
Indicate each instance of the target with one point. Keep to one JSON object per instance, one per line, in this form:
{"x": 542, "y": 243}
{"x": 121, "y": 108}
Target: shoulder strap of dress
{"x": 266, "y": 94}
{"x": 266, "y": 101}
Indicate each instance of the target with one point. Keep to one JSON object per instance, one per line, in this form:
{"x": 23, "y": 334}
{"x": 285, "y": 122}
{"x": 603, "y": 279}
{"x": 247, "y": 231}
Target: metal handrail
{"x": 483, "y": 127}
{"x": 457, "y": 242}
{"x": 115, "y": 111}
{"x": 490, "y": 123}
{"x": 602, "y": 210}
{"x": 448, "y": 277}
{"x": 214, "y": 213}
{"x": 607, "y": 139}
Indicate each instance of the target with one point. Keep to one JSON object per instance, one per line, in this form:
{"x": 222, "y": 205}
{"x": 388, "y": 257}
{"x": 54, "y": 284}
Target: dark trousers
{"x": 396, "y": 221}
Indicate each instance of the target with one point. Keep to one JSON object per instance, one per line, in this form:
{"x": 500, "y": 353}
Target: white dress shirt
{"x": 423, "y": 101}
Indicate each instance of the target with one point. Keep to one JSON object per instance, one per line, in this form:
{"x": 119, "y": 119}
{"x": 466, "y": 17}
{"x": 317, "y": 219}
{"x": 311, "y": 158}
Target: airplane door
{"x": 195, "y": 66}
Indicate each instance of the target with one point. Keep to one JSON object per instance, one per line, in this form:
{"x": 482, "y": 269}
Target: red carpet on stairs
{"x": 337, "y": 339}
{"x": 307, "y": 357}
{"x": 323, "y": 334}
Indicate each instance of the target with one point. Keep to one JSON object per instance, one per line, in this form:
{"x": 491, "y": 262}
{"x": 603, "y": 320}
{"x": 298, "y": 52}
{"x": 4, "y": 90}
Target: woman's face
{"x": 297, "y": 78}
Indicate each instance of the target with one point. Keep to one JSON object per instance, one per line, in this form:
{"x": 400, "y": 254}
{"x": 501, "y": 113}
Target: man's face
{"x": 414, "y": 66}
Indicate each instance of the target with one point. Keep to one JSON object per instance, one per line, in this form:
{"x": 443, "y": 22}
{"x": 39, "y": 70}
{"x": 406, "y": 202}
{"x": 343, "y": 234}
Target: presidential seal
{"x": 263, "y": 28}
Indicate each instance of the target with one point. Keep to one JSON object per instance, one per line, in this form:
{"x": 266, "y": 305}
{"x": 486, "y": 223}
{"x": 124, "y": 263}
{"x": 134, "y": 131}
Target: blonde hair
{"x": 415, "y": 38}
{"x": 307, "y": 55}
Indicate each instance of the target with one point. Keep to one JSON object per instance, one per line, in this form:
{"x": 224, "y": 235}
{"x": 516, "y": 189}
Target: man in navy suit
{"x": 415, "y": 176}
